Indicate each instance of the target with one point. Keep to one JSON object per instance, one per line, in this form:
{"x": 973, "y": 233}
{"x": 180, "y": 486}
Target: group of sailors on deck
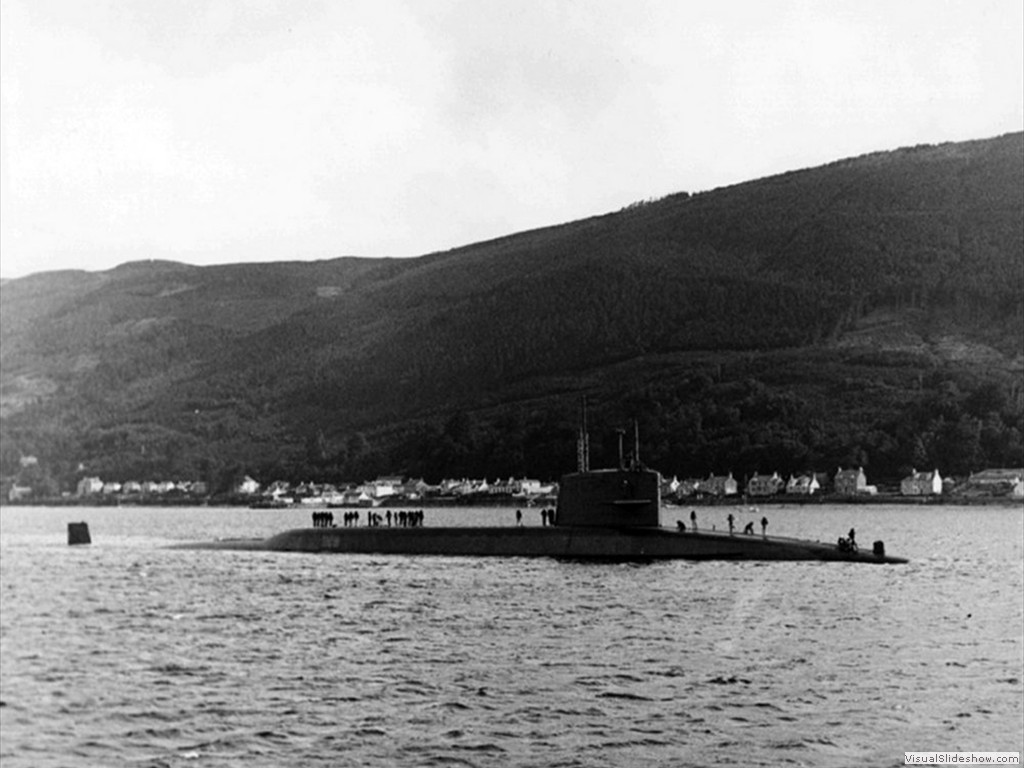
{"x": 323, "y": 519}
{"x": 748, "y": 529}
{"x": 547, "y": 516}
{"x": 845, "y": 544}
{"x": 402, "y": 519}
{"x": 848, "y": 544}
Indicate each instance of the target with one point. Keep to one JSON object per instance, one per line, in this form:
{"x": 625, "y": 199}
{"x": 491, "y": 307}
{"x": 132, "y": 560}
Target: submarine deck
{"x": 573, "y": 543}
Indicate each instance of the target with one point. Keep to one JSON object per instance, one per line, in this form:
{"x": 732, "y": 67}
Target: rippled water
{"x": 127, "y": 653}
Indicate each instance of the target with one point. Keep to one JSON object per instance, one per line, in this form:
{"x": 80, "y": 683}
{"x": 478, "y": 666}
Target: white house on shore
{"x": 88, "y": 486}
{"x": 996, "y": 482}
{"x": 18, "y": 492}
{"x": 921, "y": 483}
{"x": 803, "y": 485}
{"x": 248, "y": 486}
{"x": 719, "y": 485}
{"x": 853, "y": 482}
{"x": 765, "y": 485}
{"x": 386, "y": 485}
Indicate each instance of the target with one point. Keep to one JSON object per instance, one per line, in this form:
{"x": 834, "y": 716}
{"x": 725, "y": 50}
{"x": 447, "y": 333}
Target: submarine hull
{"x": 573, "y": 543}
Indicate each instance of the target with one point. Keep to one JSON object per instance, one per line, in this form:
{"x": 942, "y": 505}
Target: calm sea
{"x": 128, "y": 653}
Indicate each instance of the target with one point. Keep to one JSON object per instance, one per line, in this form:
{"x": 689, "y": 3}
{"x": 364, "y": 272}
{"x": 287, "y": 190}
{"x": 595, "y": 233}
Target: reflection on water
{"x": 128, "y": 653}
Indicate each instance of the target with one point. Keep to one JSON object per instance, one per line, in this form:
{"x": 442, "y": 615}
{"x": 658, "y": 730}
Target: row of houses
{"x": 845, "y": 482}
{"x": 393, "y": 487}
{"x": 849, "y": 482}
{"x": 381, "y": 488}
{"x": 94, "y": 486}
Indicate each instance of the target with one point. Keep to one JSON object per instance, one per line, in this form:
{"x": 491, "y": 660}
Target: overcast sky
{"x": 254, "y": 130}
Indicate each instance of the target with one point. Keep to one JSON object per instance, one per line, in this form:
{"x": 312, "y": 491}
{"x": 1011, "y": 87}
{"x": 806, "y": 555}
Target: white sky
{"x": 214, "y": 131}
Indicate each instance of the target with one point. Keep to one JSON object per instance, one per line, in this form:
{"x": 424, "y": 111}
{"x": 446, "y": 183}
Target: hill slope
{"x": 869, "y": 311}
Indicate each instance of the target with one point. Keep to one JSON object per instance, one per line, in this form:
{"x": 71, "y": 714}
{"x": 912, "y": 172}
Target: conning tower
{"x": 627, "y": 497}
{"x": 610, "y": 498}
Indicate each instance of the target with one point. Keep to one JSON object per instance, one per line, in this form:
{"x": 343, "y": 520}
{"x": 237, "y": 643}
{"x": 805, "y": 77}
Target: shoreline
{"x": 506, "y": 503}
{"x": 876, "y": 500}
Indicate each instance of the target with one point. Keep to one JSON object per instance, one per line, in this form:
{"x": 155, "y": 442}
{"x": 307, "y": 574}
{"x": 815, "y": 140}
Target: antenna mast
{"x": 583, "y": 441}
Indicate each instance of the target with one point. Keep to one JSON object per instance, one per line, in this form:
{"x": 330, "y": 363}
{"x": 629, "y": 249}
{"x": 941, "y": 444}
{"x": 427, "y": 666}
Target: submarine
{"x": 610, "y": 515}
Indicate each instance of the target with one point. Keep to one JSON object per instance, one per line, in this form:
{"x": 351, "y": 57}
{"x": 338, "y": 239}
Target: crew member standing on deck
{"x": 731, "y": 520}
{"x": 764, "y": 527}
{"x": 519, "y": 517}
{"x": 693, "y": 519}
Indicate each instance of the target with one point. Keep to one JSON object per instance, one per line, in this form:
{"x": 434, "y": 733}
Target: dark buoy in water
{"x": 78, "y": 533}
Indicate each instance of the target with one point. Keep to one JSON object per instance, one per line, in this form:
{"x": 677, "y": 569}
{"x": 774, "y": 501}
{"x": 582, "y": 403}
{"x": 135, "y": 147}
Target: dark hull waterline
{"x": 572, "y": 543}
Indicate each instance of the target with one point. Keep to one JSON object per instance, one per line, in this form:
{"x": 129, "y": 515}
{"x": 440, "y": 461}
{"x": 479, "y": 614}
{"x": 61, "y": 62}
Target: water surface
{"x": 128, "y": 653}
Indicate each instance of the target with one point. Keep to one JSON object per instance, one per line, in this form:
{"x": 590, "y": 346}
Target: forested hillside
{"x": 866, "y": 312}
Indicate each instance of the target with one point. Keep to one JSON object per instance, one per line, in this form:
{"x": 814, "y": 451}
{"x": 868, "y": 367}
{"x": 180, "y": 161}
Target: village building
{"x": 356, "y": 497}
{"x": 387, "y": 485}
{"x": 198, "y": 488}
{"x": 88, "y": 486}
{"x": 308, "y": 490}
{"x": 764, "y": 485}
{"x": 718, "y": 485}
{"x": 530, "y": 487}
{"x": 687, "y": 487}
{"x": 278, "y": 490}
{"x": 316, "y": 495}
{"x": 415, "y": 488}
{"x": 503, "y": 487}
{"x": 803, "y": 485}
{"x": 451, "y": 486}
{"x": 18, "y": 492}
{"x": 669, "y": 487}
{"x": 853, "y": 482}
{"x": 248, "y": 486}
{"x": 921, "y": 484}
{"x": 462, "y": 487}
{"x": 996, "y": 482}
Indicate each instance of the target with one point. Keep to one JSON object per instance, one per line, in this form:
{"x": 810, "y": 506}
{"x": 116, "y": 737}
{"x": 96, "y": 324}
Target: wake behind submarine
{"x": 602, "y": 515}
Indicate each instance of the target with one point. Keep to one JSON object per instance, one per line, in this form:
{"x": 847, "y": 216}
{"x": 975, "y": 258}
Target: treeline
{"x": 792, "y": 419}
{"x": 790, "y": 414}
